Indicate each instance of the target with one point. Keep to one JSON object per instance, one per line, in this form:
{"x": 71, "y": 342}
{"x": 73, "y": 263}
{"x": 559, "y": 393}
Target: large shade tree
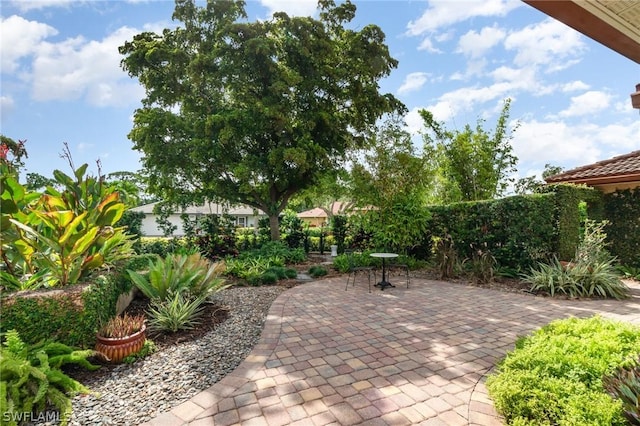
{"x": 253, "y": 112}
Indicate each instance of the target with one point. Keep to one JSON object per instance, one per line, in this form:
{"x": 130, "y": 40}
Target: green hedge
{"x": 622, "y": 210}
{"x": 518, "y": 230}
{"x": 71, "y": 315}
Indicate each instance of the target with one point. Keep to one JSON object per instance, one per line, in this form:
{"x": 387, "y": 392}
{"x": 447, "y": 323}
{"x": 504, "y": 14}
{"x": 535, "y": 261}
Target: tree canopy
{"x": 253, "y": 112}
{"x": 475, "y": 164}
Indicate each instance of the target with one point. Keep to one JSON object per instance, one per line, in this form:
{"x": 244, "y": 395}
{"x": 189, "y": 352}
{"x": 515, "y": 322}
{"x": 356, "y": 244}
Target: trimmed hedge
{"x": 520, "y": 230}
{"x": 71, "y": 315}
{"x": 622, "y": 210}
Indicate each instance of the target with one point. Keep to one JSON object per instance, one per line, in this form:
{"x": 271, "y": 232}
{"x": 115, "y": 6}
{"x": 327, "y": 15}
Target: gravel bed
{"x": 133, "y": 394}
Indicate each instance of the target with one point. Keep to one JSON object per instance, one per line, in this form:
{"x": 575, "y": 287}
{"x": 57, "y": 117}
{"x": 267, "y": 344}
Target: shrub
{"x": 317, "y": 271}
{"x": 554, "y": 375}
{"x": 268, "y": 278}
{"x": 446, "y": 256}
{"x": 482, "y": 265}
{"x": 279, "y": 271}
{"x": 31, "y": 377}
{"x": 71, "y": 316}
{"x": 623, "y": 228}
{"x": 593, "y": 272}
{"x": 291, "y": 273}
{"x": 624, "y": 385}
{"x": 174, "y": 313}
{"x": 176, "y": 274}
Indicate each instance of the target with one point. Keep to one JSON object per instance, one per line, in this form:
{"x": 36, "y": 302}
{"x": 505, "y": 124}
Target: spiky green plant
{"x": 175, "y": 313}
{"x": 122, "y": 326}
{"x": 31, "y": 379}
{"x": 177, "y": 274}
{"x": 624, "y": 384}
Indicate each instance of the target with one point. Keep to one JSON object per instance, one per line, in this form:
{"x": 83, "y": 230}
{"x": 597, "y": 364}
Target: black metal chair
{"x": 394, "y": 267}
{"x": 354, "y": 270}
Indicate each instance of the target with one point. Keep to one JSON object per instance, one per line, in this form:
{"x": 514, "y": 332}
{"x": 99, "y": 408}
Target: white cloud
{"x": 6, "y": 106}
{"x": 291, "y": 7}
{"x": 27, "y": 5}
{"x": 443, "y": 13}
{"x": 575, "y": 86}
{"x": 413, "y": 81}
{"x": 549, "y": 43}
{"x": 20, "y": 38}
{"x": 537, "y": 143}
{"x": 587, "y": 103}
{"x": 77, "y": 68}
{"x": 427, "y": 45}
{"x": 414, "y": 121}
{"x": 475, "y": 45}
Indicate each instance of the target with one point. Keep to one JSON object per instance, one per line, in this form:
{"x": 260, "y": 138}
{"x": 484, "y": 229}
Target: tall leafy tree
{"x": 253, "y": 112}
{"x": 530, "y": 184}
{"x": 476, "y": 164}
{"x": 392, "y": 180}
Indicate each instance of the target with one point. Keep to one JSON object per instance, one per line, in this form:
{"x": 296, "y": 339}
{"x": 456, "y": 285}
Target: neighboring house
{"x": 244, "y": 216}
{"x": 617, "y": 173}
{"x": 318, "y": 217}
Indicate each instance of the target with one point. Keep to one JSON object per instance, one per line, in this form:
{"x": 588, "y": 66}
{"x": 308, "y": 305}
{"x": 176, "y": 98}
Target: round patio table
{"x": 384, "y": 256}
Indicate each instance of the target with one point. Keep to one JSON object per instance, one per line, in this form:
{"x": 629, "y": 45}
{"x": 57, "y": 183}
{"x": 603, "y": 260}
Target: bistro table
{"x": 384, "y": 256}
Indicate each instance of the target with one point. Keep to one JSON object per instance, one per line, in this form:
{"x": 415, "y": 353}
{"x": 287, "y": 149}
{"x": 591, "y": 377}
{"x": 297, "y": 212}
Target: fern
{"x": 31, "y": 379}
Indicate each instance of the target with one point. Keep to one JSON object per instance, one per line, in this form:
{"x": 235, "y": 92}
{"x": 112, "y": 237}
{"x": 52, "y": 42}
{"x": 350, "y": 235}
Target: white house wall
{"x": 150, "y": 226}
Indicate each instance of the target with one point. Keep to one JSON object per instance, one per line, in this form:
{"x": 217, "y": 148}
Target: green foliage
{"x": 176, "y": 312}
{"x": 344, "y": 262}
{"x": 71, "y": 317}
{"x": 476, "y": 163}
{"x": 290, "y": 273}
{"x": 623, "y": 228}
{"x": 68, "y": 232}
{"x": 292, "y": 228}
{"x": 317, "y": 271}
{"x": 592, "y": 273}
{"x": 177, "y": 274}
{"x": 276, "y": 250}
{"x": 568, "y": 218}
{"x": 624, "y": 385}
{"x": 148, "y": 348}
{"x": 596, "y": 279}
{"x": 268, "y": 278}
{"x": 246, "y": 268}
{"x": 140, "y": 262}
{"x": 31, "y": 378}
{"x": 554, "y": 376}
{"x": 214, "y": 235}
{"x": 339, "y": 229}
{"x": 266, "y": 107}
{"x": 518, "y": 230}
{"x": 629, "y": 272}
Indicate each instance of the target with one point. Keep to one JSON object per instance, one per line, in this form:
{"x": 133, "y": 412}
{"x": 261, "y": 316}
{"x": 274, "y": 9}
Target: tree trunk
{"x": 274, "y": 225}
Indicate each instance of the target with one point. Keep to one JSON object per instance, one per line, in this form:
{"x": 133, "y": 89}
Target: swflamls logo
{"x": 42, "y": 417}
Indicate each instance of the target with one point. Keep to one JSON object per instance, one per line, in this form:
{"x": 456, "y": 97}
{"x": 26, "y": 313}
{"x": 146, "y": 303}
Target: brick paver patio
{"x": 401, "y": 356}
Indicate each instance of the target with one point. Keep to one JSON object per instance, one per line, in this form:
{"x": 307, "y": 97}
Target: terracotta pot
{"x": 115, "y": 350}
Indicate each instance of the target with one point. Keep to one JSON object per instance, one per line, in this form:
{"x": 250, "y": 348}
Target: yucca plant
{"x": 177, "y": 312}
{"x": 31, "y": 379}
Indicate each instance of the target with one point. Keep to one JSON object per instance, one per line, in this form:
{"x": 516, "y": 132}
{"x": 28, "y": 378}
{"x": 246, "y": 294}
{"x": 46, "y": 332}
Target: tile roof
{"x": 621, "y": 168}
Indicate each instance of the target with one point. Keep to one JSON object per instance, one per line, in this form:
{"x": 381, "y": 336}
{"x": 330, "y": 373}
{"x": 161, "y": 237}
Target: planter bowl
{"x": 116, "y": 349}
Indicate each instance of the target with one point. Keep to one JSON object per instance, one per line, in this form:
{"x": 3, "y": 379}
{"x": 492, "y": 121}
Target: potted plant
{"x": 121, "y": 336}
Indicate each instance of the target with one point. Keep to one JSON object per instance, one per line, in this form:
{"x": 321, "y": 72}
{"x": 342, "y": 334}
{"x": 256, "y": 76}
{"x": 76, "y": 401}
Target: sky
{"x": 61, "y": 80}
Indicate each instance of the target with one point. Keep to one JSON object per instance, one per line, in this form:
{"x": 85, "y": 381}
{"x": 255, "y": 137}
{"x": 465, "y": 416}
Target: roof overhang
{"x": 616, "y": 24}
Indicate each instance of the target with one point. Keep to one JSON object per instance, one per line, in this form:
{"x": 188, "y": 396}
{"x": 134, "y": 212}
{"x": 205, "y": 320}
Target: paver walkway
{"x": 394, "y": 357}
